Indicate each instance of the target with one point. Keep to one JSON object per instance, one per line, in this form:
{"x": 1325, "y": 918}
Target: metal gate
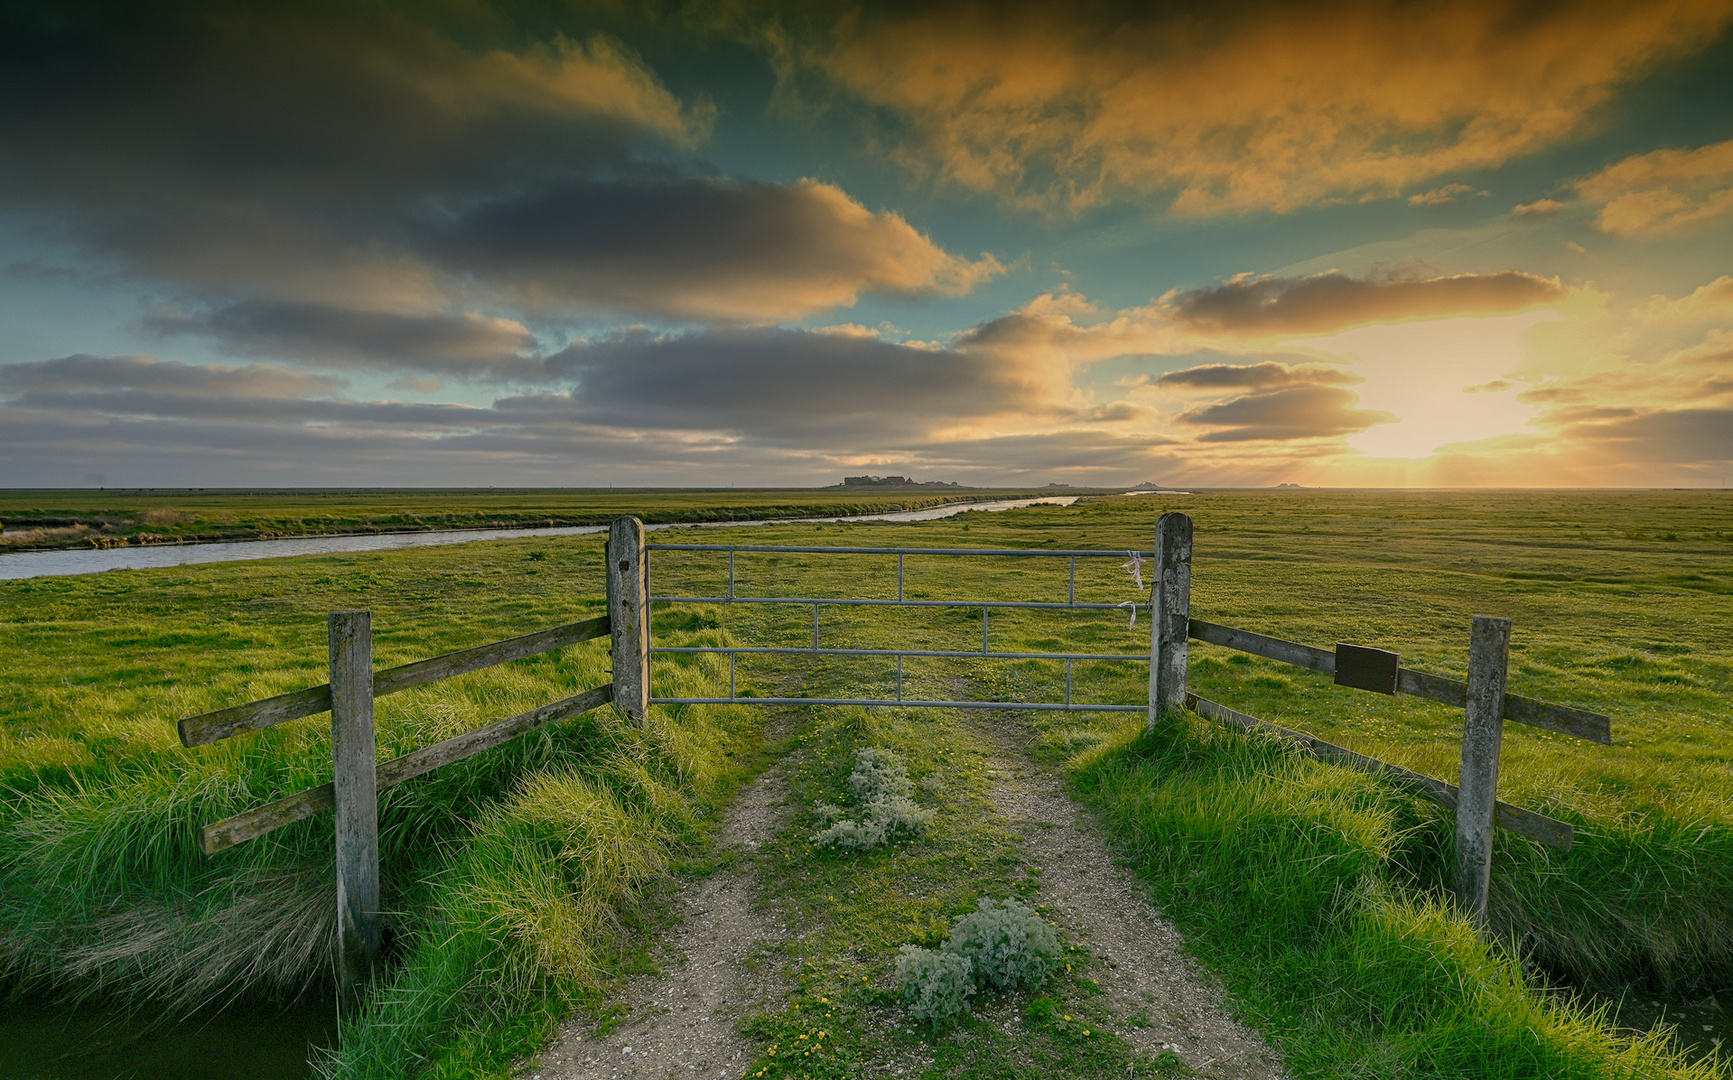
{"x": 1133, "y": 562}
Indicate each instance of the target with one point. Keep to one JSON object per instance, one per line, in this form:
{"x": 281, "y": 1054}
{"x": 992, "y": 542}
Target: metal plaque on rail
{"x": 1366, "y": 669}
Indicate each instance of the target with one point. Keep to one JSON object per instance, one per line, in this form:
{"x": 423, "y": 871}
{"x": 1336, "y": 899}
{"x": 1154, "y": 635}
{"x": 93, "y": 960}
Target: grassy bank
{"x": 508, "y": 910}
{"x": 511, "y": 879}
{"x": 80, "y": 518}
{"x": 1295, "y": 883}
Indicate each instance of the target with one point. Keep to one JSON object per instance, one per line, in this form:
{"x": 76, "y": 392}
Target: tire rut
{"x": 684, "y": 1020}
{"x": 1145, "y": 972}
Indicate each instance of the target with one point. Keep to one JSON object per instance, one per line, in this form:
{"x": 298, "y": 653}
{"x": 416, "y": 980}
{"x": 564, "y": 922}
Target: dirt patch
{"x": 716, "y": 968}
{"x": 722, "y": 961}
{"x": 1144, "y": 972}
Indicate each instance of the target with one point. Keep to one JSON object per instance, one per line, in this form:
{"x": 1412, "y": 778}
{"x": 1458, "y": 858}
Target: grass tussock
{"x": 1294, "y": 882}
{"x": 511, "y": 879}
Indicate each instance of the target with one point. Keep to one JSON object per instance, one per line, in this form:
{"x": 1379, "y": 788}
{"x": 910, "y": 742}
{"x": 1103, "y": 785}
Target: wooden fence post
{"x": 628, "y": 593}
{"x": 1482, "y": 734}
{"x": 353, "y": 754}
{"x": 1169, "y": 614}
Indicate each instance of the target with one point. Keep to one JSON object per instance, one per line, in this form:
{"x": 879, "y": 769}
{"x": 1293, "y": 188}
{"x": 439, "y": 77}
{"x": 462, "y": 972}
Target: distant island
{"x": 893, "y": 481}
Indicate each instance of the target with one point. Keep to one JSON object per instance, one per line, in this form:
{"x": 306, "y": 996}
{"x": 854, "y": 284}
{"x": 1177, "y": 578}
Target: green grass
{"x": 502, "y": 919}
{"x": 1293, "y": 883}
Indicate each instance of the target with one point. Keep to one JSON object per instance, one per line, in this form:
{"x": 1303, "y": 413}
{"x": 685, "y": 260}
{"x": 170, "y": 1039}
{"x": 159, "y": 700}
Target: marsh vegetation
{"x": 515, "y": 879}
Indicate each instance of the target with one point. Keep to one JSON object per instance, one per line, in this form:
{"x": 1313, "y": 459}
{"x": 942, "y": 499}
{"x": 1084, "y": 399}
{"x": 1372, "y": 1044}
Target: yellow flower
{"x": 1068, "y": 1018}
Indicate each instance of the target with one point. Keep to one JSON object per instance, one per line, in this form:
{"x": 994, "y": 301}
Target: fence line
{"x": 353, "y": 686}
{"x": 1482, "y": 696}
{"x": 357, "y": 776}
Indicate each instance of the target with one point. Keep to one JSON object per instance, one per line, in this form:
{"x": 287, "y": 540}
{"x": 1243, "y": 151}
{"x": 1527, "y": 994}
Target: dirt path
{"x": 717, "y": 964}
{"x": 1100, "y": 904}
{"x": 683, "y": 1022}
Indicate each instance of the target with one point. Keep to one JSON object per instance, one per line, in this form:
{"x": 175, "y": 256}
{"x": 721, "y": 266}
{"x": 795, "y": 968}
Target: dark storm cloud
{"x": 453, "y": 345}
{"x": 1301, "y": 412}
{"x": 781, "y": 384}
{"x": 697, "y": 247}
{"x": 1264, "y": 376}
{"x": 357, "y": 156}
{"x": 306, "y": 104}
{"x": 1256, "y": 306}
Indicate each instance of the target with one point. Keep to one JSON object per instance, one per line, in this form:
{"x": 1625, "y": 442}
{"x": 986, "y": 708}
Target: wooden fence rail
{"x": 356, "y": 774}
{"x": 1482, "y": 697}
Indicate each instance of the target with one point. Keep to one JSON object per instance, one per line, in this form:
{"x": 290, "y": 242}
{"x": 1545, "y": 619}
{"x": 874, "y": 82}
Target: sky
{"x": 1384, "y": 243}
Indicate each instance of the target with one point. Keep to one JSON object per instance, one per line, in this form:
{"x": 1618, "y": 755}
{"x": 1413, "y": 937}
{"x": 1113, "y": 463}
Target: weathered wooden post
{"x": 628, "y": 594}
{"x": 1169, "y": 614}
{"x": 353, "y": 753}
{"x": 1482, "y": 734}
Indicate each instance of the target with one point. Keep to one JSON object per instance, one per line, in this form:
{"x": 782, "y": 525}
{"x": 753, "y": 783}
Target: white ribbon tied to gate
{"x": 1134, "y": 567}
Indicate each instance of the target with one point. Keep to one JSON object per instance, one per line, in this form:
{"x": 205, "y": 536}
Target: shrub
{"x": 1009, "y": 945}
{"x": 935, "y": 983}
{"x": 880, "y": 786}
{"x": 1002, "y": 945}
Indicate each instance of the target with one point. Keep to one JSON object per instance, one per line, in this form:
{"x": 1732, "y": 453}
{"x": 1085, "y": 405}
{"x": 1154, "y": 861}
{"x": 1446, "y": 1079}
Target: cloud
{"x": 1237, "y": 106}
{"x": 362, "y": 158}
{"x": 1301, "y": 412}
{"x": 697, "y": 248}
{"x": 1264, "y": 376}
{"x": 1662, "y": 191}
{"x": 1324, "y": 303}
{"x": 84, "y": 373}
{"x": 781, "y": 385}
{"x": 1661, "y": 436}
{"x": 1538, "y": 209}
{"x": 1713, "y": 301}
{"x": 277, "y": 102}
{"x": 1444, "y": 196}
{"x": 468, "y": 345}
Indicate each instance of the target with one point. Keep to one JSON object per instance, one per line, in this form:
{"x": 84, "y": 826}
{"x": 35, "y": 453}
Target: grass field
{"x": 75, "y": 518}
{"x": 1619, "y": 602}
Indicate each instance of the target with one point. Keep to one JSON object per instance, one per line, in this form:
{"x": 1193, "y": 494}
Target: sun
{"x": 1446, "y": 380}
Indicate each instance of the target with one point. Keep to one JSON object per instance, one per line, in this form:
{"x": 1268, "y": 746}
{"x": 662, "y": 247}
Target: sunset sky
{"x": 578, "y": 244}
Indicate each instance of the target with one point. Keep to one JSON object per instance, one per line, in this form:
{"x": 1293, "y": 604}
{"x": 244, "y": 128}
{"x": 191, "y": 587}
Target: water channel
{"x": 29, "y": 564}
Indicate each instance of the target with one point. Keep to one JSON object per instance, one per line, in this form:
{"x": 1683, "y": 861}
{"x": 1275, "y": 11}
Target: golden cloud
{"x": 1267, "y": 375}
{"x": 1538, "y": 208}
{"x": 1251, "y": 306}
{"x": 1243, "y": 106}
{"x": 1444, "y": 196}
{"x": 1663, "y": 190}
{"x": 1297, "y": 412}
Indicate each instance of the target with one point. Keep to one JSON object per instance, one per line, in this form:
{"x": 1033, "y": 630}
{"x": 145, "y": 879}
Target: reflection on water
{"x": 58, "y": 1042}
{"x": 1702, "y": 1024}
{"x": 29, "y": 564}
